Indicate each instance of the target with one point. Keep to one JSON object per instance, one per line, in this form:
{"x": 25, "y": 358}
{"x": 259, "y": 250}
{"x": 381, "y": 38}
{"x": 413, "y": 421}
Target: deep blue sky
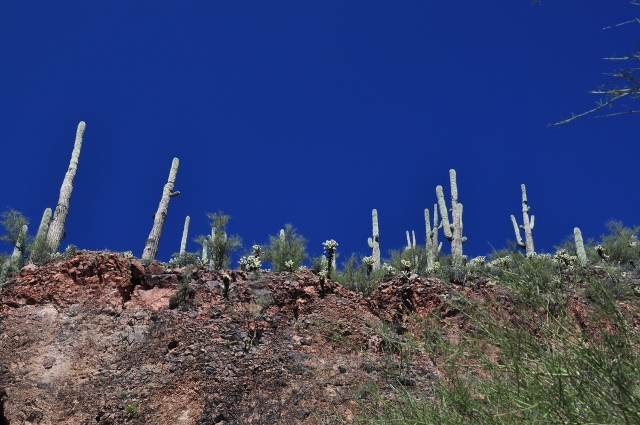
{"x": 313, "y": 113}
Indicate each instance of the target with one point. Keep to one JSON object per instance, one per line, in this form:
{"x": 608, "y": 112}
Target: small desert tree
{"x": 15, "y": 224}
{"x": 287, "y": 251}
{"x": 12, "y": 221}
{"x": 218, "y": 246}
{"x": 623, "y": 82}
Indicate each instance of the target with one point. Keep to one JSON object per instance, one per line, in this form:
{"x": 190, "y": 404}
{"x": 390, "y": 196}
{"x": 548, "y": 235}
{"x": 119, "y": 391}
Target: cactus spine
{"x": 582, "y": 255}
{"x": 452, "y": 230}
{"x": 527, "y": 225}
{"x": 151, "y": 247}
{"x": 56, "y": 227}
{"x": 183, "y": 243}
{"x": 374, "y": 242}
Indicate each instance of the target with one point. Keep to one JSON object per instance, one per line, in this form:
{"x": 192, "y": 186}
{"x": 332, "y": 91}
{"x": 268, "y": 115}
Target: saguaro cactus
{"x": 374, "y": 242}
{"x": 151, "y": 247}
{"x": 433, "y": 247}
{"x": 205, "y": 252}
{"x": 582, "y": 255}
{"x": 527, "y": 225}
{"x": 183, "y": 243}
{"x": 330, "y": 247}
{"x": 56, "y": 227}
{"x": 44, "y": 224}
{"x": 452, "y": 230}
{"x": 40, "y": 251}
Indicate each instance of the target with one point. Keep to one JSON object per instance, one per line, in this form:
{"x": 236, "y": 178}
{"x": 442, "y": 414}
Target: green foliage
{"x": 185, "y": 259}
{"x": 70, "y": 251}
{"x": 219, "y": 246}
{"x": 39, "y": 251}
{"x": 536, "y": 362}
{"x": 621, "y": 245}
{"x": 287, "y": 247}
{"x": 12, "y": 221}
{"x": 417, "y": 257}
{"x": 131, "y": 409}
{"x": 356, "y": 277}
{"x": 318, "y": 263}
{"x": 185, "y": 297}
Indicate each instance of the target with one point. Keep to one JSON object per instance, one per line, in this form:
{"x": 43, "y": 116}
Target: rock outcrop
{"x": 102, "y": 339}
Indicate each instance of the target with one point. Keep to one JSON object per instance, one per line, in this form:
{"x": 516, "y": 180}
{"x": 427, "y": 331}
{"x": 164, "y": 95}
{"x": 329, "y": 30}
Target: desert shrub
{"x": 70, "y": 251}
{"x": 219, "y": 246}
{"x": 131, "y": 409}
{"x": 523, "y": 365}
{"x": 185, "y": 297}
{"x": 12, "y": 221}
{"x": 356, "y": 277}
{"x": 318, "y": 263}
{"x": 621, "y": 244}
{"x": 287, "y": 251}
{"x": 39, "y": 251}
{"x": 185, "y": 259}
{"x": 417, "y": 258}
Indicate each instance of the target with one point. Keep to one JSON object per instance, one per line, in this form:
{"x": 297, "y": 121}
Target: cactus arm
{"x": 521, "y": 243}
{"x": 44, "y": 224}
{"x": 151, "y": 247}
{"x": 427, "y": 225}
{"x": 444, "y": 214}
{"x": 19, "y": 247}
{"x": 56, "y": 226}
{"x": 436, "y": 226}
{"x": 452, "y": 229}
{"x": 533, "y": 217}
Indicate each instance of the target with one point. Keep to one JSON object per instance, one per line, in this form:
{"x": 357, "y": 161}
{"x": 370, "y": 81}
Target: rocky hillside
{"x": 102, "y": 339}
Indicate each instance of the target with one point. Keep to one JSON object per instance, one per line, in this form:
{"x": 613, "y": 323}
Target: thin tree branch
{"x": 597, "y": 108}
{"x": 624, "y": 23}
{"x": 629, "y": 111}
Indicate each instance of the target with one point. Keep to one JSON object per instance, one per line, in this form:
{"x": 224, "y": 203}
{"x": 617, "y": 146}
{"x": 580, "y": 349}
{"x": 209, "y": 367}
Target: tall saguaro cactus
{"x": 452, "y": 229}
{"x": 44, "y": 224}
{"x": 56, "y": 226}
{"x": 151, "y": 247}
{"x": 40, "y": 250}
{"x": 527, "y": 225}
{"x": 433, "y": 247}
{"x": 582, "y": 255}
{"x": 183, "y": 243}
{"x": 374, "y": 242}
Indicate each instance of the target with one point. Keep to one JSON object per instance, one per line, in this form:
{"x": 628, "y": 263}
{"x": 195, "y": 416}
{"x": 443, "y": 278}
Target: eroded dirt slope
{"x": 93, "y": 340}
